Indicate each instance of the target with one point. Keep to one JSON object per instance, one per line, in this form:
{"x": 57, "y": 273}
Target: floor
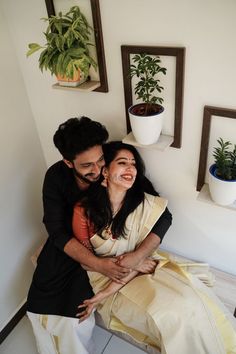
{"x": 21, "y": 340}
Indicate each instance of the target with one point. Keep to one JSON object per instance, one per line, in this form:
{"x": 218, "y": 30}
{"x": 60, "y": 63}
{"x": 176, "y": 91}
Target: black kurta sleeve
{"x": 58, "y": 205}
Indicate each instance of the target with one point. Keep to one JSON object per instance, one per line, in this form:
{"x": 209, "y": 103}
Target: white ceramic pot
{"x": 222, "y": 192}
{"x": 146, "y": 129}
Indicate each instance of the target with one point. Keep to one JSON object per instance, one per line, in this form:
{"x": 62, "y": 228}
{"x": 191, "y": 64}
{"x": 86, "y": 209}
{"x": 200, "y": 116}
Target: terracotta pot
{"x": 77, "y": 80}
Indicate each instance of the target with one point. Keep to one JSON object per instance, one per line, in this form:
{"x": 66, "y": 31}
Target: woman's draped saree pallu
{"x": 171, "y": 309}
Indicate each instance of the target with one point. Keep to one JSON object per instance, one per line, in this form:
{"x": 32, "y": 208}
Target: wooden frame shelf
{"x": 179, "y": 54}
{"x": 202, "y": 187}
{"x": 209, "y": 111}
{"x": 97, "y": 25}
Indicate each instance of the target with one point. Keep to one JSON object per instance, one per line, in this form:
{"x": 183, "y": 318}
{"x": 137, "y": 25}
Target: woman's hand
{"x": 89, "y": 305}
{"x": 129, "y": 260}
{"x": 148, "y": 266}
{"x": 136, "y": 258}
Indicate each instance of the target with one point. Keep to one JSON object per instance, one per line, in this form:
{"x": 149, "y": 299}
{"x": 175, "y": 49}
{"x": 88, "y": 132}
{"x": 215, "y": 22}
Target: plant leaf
{"x": 33, "y": 47}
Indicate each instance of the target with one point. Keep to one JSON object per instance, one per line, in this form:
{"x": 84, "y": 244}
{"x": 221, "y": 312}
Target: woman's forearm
{"x": 147, "y": 246}
{"x": 89, "y": 305}
{"x": 113, "y": 287}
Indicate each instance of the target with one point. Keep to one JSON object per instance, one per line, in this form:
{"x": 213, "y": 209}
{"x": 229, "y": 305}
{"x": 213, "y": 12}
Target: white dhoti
{"x": 62, "y": 335}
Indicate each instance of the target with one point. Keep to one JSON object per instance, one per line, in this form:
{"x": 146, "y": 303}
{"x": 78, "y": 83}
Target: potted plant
{"x": 222, "y": 174}
{"x": 146, "y": 117}
{"x": 66, "y": 52}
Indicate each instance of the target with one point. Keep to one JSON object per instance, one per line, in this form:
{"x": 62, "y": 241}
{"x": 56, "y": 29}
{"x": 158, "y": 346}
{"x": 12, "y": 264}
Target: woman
{"x": 169, "y": 309}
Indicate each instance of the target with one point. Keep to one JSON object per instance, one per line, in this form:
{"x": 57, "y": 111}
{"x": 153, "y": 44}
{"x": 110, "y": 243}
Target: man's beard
{"x": 83, "y": 178}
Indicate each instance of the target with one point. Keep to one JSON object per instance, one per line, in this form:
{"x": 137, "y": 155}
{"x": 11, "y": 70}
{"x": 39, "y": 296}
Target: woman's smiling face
{"x": 122, "y": 170}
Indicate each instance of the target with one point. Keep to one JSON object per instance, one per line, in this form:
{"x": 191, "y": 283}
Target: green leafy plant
{"x": 67, "y": 46}
{"x": 225, "y": 160}
{"x": 147, "y": 68}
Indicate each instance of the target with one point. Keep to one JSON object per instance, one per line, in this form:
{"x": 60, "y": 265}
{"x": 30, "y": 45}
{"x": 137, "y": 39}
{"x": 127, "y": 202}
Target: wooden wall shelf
{"x": 204, "y": 196}
{"x": 87, "y": 86}
{"x": 162, "y": 144}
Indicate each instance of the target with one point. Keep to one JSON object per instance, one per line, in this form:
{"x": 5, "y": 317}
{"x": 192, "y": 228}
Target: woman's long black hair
{"x": 97, "y": 204}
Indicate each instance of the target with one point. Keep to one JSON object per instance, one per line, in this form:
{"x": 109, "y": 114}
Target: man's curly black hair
{"x": 77, "y": 135}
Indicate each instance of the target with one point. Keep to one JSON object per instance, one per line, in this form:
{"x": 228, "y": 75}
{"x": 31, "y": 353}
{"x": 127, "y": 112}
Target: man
{"x": 60, "y": 283}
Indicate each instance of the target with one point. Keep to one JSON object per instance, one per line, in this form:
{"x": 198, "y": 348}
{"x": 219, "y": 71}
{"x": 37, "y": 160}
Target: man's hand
{"x": 111, "y": 269}
{"x": 89, "y": 261}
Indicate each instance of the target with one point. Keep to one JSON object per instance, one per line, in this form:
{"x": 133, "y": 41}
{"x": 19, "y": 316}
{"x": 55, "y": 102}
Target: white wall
{"x": 207, "y": 30}
{"x": 22, "y": 170}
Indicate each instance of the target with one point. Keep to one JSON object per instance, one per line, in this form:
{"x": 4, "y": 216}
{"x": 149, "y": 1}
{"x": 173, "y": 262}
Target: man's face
{"x": 87, "y": 165}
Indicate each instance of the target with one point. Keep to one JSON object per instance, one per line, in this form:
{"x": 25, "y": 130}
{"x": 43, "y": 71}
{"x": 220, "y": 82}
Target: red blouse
{"x": 82, "y": 227}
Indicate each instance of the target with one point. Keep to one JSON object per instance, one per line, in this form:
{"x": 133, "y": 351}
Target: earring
{"x": 104, "y": 182}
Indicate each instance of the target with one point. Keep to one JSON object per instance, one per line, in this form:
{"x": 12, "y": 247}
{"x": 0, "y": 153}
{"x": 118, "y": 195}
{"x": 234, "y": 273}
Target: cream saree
{"x": 171, "y": 309}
